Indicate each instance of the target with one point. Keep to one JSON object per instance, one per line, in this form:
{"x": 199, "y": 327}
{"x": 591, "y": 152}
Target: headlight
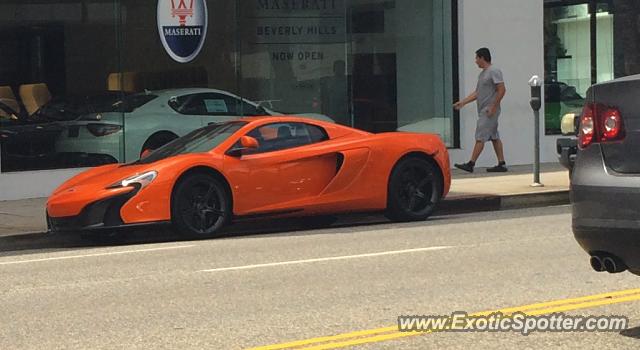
{"x": 142, "y": 180}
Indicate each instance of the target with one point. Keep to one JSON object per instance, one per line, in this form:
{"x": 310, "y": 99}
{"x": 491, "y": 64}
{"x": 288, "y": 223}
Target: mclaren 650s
{"x": 254, "y": 167}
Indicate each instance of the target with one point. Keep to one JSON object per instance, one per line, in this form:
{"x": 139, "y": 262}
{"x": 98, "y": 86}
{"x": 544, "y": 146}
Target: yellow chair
{"x": 34, "y": 96}
{"x": 158, "y": 80}
{"x": 125, "y": 81}
{"x": 9, "y": 99}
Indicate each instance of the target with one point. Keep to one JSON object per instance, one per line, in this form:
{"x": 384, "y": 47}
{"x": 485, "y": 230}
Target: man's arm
{"x": 501, "y": 91}
{"x": 472, "y": 97}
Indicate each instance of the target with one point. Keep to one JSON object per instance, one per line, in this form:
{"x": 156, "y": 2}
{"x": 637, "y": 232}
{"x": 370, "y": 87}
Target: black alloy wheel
{"x": 415, "y": 188}
{"x": 200, "y": 206}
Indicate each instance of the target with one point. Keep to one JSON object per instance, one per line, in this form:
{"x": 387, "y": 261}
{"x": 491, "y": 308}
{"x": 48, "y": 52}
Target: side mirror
{"x": 567, "y": 125}
{"x": 246, "y": 143}
{"x": 145, "y": 153}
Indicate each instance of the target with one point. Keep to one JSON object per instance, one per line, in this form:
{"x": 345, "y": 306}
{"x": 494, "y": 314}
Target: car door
{"x": 286, "y": 171}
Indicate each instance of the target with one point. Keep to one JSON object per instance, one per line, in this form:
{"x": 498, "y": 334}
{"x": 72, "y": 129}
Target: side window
{"x": 221, "y": 104}
{"x": 188, "y": 104}
{"x": 316, "y": 133}
{"x": 238, "y": 106}
{"x": 250, "y": 110}
{"x": 279, "y": 136}
{"x": 205, "y": 104}
{"x": 215, "y": 105}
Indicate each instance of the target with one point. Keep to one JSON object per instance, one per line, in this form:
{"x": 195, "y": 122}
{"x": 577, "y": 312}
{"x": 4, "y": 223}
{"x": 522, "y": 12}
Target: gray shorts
{"x": 487, "y": 127}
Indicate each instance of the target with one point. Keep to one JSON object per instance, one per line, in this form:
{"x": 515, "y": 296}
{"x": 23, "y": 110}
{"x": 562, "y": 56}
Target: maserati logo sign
{"x": 182, "y": 25}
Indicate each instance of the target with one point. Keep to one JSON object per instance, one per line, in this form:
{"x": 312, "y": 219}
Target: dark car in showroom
{"x": 605, "y": 185}
{"x": 567, "y": 147}
{"x": 559, "y": 100}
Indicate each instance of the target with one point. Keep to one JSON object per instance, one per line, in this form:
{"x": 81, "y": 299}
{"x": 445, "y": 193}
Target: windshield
{"x": 197, "y": 141}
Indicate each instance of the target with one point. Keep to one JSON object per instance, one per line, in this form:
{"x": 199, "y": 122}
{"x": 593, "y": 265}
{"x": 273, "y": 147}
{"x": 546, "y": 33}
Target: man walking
{"x": 489, "y": 92}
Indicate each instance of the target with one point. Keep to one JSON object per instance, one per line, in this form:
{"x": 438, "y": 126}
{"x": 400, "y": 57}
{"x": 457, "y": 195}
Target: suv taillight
{"x": 600, "y": 123}
{"x": 611, "y": 125}
{"x": 587, "y": 129}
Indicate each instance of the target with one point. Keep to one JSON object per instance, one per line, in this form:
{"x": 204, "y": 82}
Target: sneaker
{"x": 500, "y": 168}
{"x": 465, "y": 166}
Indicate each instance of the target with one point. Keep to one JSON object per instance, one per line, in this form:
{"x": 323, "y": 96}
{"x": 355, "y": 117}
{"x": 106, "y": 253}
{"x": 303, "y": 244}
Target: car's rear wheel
{"x": 200, "y": 206}
{"x": 415, "y": 188}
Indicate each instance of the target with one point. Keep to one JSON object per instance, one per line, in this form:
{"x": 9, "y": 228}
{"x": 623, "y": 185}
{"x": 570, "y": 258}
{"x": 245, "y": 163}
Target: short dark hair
{"x": 484, "y": 53}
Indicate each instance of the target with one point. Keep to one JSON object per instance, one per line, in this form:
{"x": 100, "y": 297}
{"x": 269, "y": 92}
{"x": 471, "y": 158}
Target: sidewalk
{"x": 480, "y": 191}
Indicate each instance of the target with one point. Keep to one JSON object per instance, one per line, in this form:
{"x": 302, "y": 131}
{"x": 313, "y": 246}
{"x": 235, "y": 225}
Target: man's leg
{"x": 477, "y": 149}
{"x": 501, "y": 167}
{"x": 497, "y": 146}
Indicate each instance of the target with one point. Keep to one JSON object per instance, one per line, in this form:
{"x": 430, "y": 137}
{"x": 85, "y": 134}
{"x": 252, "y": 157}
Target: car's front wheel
{"x": 200, "y": 206}
{"x": 415, "y": 187}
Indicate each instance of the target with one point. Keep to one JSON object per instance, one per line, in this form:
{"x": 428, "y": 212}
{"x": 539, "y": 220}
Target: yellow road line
{"x": 360, "y": 341}
{"x": 585, "y": 305}
{"x": 389, "y": 333}
{"x": 570, "y": 301}
{"x": 309, "y": 341}
{"x": 398, "y": 335}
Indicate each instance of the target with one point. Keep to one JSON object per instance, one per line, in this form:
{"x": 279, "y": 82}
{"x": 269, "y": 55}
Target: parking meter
{"x": 536, "y": 93}
{"x": 536, "y": 102}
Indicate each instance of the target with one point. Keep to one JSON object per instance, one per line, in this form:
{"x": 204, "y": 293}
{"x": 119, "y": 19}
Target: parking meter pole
{"x": 536, "y": 160}
{"x": 536, "y": 103}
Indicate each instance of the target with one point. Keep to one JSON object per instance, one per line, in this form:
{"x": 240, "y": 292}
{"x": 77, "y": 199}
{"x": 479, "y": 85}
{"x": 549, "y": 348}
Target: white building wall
{"x": 513, "y": 31}
{"x": 32, "y": 184}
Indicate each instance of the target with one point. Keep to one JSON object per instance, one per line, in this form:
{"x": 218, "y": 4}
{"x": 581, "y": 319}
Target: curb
{"x": 491, "y": 203}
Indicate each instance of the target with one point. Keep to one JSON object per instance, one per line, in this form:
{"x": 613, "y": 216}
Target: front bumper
{"x": 605, "y": 218}
{"x": 104, "y": 213}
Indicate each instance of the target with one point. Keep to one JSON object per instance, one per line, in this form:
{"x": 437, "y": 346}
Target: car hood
{"x": 103, "y": 176}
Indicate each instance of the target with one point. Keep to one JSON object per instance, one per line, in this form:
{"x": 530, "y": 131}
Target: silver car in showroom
{"x": 146, "y": 121}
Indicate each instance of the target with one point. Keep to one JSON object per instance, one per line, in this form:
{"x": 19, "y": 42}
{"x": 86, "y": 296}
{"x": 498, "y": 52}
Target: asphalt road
{"x": 257, "y": 290}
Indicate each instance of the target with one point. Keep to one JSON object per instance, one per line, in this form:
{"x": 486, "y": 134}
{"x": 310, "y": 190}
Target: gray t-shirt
{"x": 486, "y": 89}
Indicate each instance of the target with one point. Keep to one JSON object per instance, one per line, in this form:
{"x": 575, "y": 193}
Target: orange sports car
{"x": 273, "y": 166}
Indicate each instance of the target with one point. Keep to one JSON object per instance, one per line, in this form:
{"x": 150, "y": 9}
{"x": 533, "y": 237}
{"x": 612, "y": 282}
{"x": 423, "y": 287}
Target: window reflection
{"x": 88, "y": 82}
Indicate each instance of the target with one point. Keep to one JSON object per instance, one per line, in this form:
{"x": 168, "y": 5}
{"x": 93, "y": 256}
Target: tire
{"x": 156, "y": 141}
{"x": 415, "y": 188}
{"x": 200, "y": 206}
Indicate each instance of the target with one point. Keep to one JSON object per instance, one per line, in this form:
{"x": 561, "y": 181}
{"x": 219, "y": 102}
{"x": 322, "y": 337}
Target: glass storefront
{"x": 586, "y": 42}
{"x": 90, "y": 82}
